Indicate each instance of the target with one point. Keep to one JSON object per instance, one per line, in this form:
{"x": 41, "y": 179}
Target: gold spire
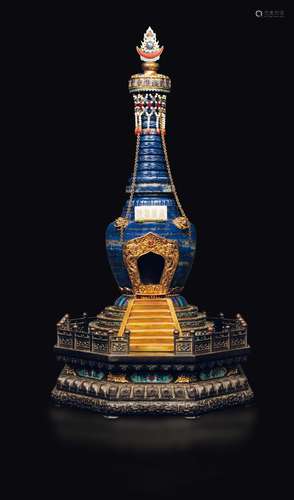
{"x": 149, "y": 50}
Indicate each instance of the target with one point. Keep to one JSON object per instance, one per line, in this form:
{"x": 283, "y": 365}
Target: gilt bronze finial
{"x": 150, "y": 50}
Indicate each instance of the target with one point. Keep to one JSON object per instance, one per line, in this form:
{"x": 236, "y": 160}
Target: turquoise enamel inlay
{"x": 213, "y": 373}
{"x": 179, "y": 301}
{"x": 154, "y": 378}
{"x": 90, "y": 373}
{"x": 122, "y": 301}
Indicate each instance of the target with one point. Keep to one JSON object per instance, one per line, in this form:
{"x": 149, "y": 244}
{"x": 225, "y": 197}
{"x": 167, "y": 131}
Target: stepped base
{"x": 114, "y": 398}
{"x": 152, "y": 357}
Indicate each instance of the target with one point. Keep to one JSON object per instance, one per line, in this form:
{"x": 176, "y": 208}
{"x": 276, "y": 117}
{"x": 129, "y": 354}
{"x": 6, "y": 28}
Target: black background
{"x": 224, "y": 118}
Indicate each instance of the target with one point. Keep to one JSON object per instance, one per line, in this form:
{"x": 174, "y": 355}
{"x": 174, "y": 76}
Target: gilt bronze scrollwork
{"x": 151, "y": 242}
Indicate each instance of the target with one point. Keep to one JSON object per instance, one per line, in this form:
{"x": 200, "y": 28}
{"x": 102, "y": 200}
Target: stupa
{"x": 151, "y": 352}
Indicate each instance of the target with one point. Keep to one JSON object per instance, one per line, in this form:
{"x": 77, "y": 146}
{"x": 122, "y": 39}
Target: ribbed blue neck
{"x": 152, "y": 175}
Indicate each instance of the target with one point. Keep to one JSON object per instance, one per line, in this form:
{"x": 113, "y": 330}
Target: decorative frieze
{"x": 150, "y": 107}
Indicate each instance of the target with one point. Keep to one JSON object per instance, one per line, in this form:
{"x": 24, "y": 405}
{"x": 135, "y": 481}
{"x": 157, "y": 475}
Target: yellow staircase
{"x": 151, "y": 323}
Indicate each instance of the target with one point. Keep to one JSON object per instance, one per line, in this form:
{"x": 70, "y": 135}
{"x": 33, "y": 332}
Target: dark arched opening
{"x": 150, "y": 268}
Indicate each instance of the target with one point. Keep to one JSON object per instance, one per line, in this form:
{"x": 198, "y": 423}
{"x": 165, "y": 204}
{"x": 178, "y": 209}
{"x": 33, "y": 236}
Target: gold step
{"x": 151, "y": 353}
{"x": 147, "y": 307}
{"x": 154, "y": 331}
{"x": 135, "y": 325}
{"x": 148, "y": 317}
{"x": 150, "y": 301}
{"x": 152, "y": 347}
{"x": 151, "y": 335}
{"x": 150, "y": 341}
{"x": 150, "y": 314}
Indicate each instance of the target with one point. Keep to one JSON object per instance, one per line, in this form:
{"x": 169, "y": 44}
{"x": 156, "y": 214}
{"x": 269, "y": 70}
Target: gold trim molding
{"x": 150, "y": 242}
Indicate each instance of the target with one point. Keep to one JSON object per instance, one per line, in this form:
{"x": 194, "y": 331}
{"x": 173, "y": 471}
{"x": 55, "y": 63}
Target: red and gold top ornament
{"x": 149, "y": 50}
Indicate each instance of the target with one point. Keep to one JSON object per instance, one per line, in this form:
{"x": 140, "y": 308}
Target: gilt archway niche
{"x": 150, "y": 242}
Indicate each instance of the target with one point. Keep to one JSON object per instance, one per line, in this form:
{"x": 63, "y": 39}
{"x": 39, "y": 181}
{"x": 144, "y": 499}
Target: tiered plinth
{"x": 121, "y": 363}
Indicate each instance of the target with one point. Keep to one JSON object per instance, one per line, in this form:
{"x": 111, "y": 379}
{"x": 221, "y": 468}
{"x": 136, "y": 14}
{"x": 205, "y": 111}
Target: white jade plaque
{"x": 150, "y": 213}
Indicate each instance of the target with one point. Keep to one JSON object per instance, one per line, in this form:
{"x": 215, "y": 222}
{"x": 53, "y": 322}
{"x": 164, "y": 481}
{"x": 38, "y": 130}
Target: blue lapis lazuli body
{"x": 153, "y": 187}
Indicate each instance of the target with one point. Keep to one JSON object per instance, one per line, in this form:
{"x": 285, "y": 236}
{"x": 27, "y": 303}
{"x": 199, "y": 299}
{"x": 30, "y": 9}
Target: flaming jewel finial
{"x": 149, "y": 50}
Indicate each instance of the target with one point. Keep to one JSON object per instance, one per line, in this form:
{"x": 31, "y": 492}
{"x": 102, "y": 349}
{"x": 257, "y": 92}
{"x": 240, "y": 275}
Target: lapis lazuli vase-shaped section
{"x": 152, "y": 187}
